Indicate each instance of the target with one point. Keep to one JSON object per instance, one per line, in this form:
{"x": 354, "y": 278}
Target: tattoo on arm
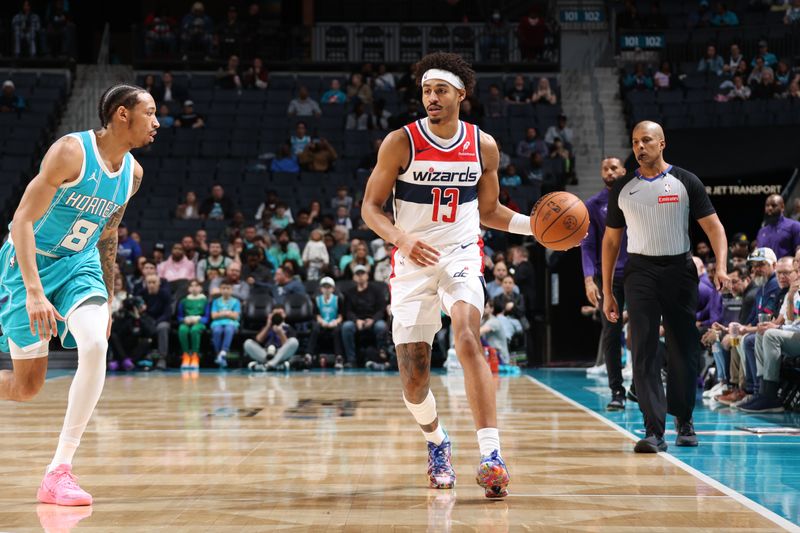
{"x": 107, "y": 245}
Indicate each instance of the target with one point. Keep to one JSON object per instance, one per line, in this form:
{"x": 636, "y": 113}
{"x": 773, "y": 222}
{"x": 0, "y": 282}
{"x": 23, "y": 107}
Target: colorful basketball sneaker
{"x": 60, "y": 487}
{"x": 440, "y": 472}
{"x": 493, "y": 476}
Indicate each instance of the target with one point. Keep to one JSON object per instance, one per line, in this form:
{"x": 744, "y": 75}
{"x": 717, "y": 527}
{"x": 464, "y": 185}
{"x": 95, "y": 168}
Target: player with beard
{"x": 443, "y": 174}
{"x": 57, "y": 268}
{"x": 611, "y": 169}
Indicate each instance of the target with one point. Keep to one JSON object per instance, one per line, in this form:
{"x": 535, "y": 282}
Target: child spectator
{"x": 315, "y": 255}
{"x": 328, "y": 309}
{"x": 190, "y": 208}
{"x": 280, "y": 219}
{"x": 225, "y": 313}
{"x": 492, "y": 330}
{"x": 164, "y": 117}
{"x": 510, "y": 177}
{"x": 192, "y": 320}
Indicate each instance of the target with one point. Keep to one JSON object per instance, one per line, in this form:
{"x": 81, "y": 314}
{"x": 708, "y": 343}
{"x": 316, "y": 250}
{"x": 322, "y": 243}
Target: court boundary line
{"x": 754, "y": 506}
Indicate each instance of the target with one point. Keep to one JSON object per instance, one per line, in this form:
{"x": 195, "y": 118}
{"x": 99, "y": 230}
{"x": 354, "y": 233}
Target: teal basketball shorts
{"x": 67, "y": 281}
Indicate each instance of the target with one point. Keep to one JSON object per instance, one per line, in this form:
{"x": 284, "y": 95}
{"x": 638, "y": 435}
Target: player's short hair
{"x": 115, "y": 96}
{"x": 446, "y": 61}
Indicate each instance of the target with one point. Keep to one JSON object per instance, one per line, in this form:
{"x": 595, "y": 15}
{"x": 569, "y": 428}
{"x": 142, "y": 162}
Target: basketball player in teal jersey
{"x": 57, "y": 268}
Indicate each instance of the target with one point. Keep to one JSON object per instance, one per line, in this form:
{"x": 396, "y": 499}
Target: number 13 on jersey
{"x": 450, "y": 197}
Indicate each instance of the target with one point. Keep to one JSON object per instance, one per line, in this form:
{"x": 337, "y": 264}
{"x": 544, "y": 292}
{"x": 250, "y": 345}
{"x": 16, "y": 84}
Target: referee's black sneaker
{"x": 651, "y": 444}
{"x": 632, "y": 394}
{"x": 617, "y": 402}
{"x": 686, "y": 435}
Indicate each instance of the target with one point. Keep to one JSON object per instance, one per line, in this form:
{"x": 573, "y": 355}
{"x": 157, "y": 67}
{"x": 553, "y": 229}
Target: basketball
{"x": 559, "y": 220}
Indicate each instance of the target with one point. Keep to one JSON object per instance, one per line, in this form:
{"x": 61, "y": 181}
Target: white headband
{"x": 446, "y": 75}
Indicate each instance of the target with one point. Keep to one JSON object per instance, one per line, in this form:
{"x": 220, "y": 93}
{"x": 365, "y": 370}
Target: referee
{"x": 660, "y": 280}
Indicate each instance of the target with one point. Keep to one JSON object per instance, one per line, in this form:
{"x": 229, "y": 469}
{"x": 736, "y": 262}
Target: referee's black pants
{"x": 611, "y": 338}
{"x": 663, "y": 289}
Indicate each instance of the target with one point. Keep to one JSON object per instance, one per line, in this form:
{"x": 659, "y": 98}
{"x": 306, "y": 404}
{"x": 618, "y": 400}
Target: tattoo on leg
{"x": 414, "y": 361}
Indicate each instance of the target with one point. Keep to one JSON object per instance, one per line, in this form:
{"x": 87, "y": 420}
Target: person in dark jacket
{"x": 157, "y": 314}
{"x": 364, "y": 311}
{"x": 217, "y": 206}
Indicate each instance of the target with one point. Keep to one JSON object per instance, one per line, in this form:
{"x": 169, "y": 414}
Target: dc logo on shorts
{"x": 462, "y": 274}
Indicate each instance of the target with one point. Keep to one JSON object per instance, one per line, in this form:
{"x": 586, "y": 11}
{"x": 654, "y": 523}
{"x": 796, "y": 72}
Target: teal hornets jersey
{"x": 80, "y": 209}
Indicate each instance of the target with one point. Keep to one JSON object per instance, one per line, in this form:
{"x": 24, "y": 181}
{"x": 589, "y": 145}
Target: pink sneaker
{"x": 61, "y": 488}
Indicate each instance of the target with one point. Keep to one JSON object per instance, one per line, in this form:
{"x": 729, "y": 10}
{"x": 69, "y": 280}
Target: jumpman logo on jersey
{"x": 94, "y": 177}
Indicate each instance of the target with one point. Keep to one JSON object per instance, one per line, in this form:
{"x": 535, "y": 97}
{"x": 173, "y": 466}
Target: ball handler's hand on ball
{"x": 418, "y": 251}
{"x": 611, "y": 309}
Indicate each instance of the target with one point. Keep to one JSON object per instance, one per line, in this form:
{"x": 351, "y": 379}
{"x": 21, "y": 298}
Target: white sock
{"x": 488, "y": 441}
{"x": 88, "y": 325}
{"x": 437, "y": 436}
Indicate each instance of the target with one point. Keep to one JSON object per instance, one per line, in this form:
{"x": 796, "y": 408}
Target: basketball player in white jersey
{"x": 443, "y": 174}
{"x": 57, "y": 269}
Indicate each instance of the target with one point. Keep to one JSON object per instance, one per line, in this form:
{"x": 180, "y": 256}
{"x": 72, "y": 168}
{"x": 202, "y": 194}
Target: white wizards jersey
{"x": 437, "y": 195}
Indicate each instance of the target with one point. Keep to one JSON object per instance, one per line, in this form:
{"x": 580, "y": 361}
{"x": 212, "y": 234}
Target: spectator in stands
{"x": 492, "y": 330}
{"x": 495, "y": 106}
{"x": 284, "y": 249}
{"x": 380, "y": 117}
{"x": 733, "y": 63}
{"x": 193, "y": 317}
{"x": 364, "y": 311}
{"x": 213, "y": 266}
{"x": 638, "y": 80}
{"x": 159, "y": 251}
{"x": 190, "y": 249}
{"x": 740, "y": 91}
{"x": 26, "y": 25}
{"x": 284, "y": 160}
{"x": 128, "y": 250}
{"x": 559, "y": 152}
{"x": 254, "y": 271}
{"x": 168, "y": 91}
{"x": 711, "y": 63}
{"x": 149, "y": 84}
{"x": 145, "y": 267}
{"x": 794, "y": 90}
{"x": 709, "y": 301}
{"x": 189, "y": 118}
{"x": 629, "y": 18}
{"x": 164, "y": 117}
{"x": 217, "y": 206}
{"x": 664, "y": 79}
{"x": 531, "y": 144}
{"x": 201, "y": 243}
{"x": 274, "y": 344}
{"x": 197, "y": 30}
{"x": 315, "y": 255}
{"x": 300, "y": 228}
{"x": 495, "y": 287}
{"x": 256, "y": 77}
{"x": 303, "y": 105}
{"x": 407, "y": 86}
{"x": 59, "y": 34}
{"x": 234, "y": 228}
{"x": 328, "y": 311}
{"x": 770, "y": 59}
{"x": 358, "y": 118}
{"x": 9, "y": 100}
{"x": 341, "y": 244}
{"x": 701, "y": 17}
{"x": 233, "y": 275}
{"x": 159, "y": 34}
{"x": 334, "y": 94}
{"x": 536, "y": 174}
{"x": 189, "y": 209}
{"x": 543, "y": 93}
{"x": 411, "y": 114}
{"x": 126, "y": 332}
{"x": 758, "y": 72}
{"x": 225, "y": 313}
{"x": 382, "y": 270}
{"x": 656, "y": 20}
{"x": 792, "y": 15}
{"x": 780, "y": 234}
{"x": 510, "y": 177}
{"x": 724, "y": 17}
{"x": 384, "y": 80}
{"x": 494, "y": 37}
{"x": 318, "y": 156}
{"x": 369, "y": 160}
{"x": 505, "y": 159}
{"x": 469, "y": 112}
{"x": 230, "y": 76}
{"x": 783, "y": 75}
{"x": 343, "y": 218}
{"x": 177, "y": 266}
{"x": 158, "y": 302}
{"x": 358, "y": 89}
{"x": 518, "y": 93}
{"x": 531, "y": 33}
{"x": 512, "y": 302}
{"x": 300, "y": 139}
{"x": 360, "y": 258}
{"x": 767, "y": 89}
{"x": 504, "y": 197}
{"x": 560, "y": 132}
{"x": 280, "y": 218}
{"x": 284, "y": 285}
{"x": 230, "y": 33}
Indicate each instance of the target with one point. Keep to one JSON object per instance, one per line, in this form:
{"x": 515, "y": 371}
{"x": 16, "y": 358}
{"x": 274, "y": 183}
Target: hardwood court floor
{"x": 325, "y": 452}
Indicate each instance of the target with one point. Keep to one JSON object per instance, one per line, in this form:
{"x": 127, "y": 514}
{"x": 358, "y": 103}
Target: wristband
{"x": 520, "y": 224}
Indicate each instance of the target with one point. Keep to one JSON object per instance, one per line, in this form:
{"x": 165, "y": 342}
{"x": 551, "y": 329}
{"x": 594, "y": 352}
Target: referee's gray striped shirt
{"x": 656, "y": 210}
